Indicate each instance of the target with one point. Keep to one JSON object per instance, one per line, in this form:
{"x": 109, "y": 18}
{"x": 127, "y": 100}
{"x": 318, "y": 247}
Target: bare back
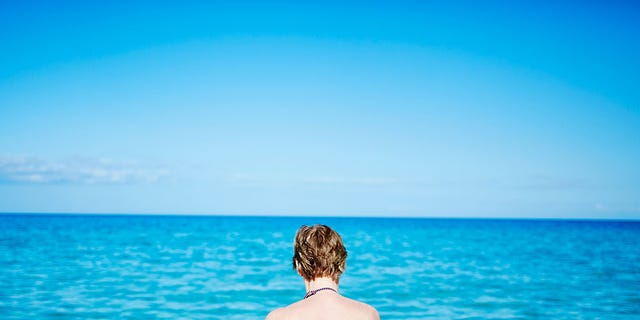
{"x": 325, "y": 306}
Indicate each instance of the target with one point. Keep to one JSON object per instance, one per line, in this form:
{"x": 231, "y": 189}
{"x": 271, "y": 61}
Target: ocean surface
{"x": 173, "y": 267}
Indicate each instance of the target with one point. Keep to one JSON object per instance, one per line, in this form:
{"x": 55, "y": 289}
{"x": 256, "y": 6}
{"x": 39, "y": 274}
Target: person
{"x": 319, "y": 257}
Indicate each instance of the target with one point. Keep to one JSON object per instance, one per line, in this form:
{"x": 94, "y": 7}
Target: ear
{"x": 343, "y": 266}
{"x": 298, "y": 267}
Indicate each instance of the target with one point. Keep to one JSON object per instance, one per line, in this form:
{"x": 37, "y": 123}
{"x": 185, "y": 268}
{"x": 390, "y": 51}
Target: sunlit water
{"x": 148, "y": 267}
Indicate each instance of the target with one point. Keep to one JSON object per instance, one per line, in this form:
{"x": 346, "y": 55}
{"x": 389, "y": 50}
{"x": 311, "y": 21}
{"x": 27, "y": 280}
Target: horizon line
{"x": 212, "y": 215}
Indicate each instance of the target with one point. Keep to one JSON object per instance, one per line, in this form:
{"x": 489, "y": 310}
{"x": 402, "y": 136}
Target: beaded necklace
{"x": 312, "y": 292}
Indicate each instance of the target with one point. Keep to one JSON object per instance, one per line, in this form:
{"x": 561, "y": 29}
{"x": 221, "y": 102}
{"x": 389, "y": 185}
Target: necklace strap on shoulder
{"x": 312, "y": 292}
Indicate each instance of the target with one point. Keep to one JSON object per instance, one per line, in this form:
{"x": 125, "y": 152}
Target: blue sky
{"x": 462, "y": 109}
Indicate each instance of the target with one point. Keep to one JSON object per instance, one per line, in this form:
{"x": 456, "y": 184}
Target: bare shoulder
{"x": 277, "y": 314}
{"x": 284, "y": 313}
{"x": 365, "y": 311}
{"x": 370, "y": 312}
{"x": 373, "y": 313}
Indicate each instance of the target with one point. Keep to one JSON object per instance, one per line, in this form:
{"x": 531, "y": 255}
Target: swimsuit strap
{"x": 312, "y": 292}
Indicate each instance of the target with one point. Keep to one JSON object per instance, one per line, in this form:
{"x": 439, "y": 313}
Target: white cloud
{"x": 548, "y": 182}
{"x": 33, "y": 170}
{"x": 257, "y": 181}
{"x": 366, "y": 181}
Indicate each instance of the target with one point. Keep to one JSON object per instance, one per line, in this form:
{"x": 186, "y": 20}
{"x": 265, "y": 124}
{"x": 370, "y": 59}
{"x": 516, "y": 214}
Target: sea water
{"x": 176, "y": 267}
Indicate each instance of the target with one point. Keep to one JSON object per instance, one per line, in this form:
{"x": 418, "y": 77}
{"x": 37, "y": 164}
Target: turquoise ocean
{"x": 192, "y": 267}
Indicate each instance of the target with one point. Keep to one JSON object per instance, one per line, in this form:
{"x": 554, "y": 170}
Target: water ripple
{"x": 97, "y": 267}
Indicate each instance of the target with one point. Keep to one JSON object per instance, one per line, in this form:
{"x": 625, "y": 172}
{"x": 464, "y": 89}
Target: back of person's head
{"x": 318, "y": 252}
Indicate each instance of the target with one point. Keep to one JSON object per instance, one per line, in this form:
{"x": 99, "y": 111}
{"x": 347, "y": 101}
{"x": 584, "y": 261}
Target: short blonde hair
{"x": 318, "y": 252}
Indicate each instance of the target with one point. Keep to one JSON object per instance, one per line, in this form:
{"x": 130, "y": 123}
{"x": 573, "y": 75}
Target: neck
{"x": 317, "y": 283}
